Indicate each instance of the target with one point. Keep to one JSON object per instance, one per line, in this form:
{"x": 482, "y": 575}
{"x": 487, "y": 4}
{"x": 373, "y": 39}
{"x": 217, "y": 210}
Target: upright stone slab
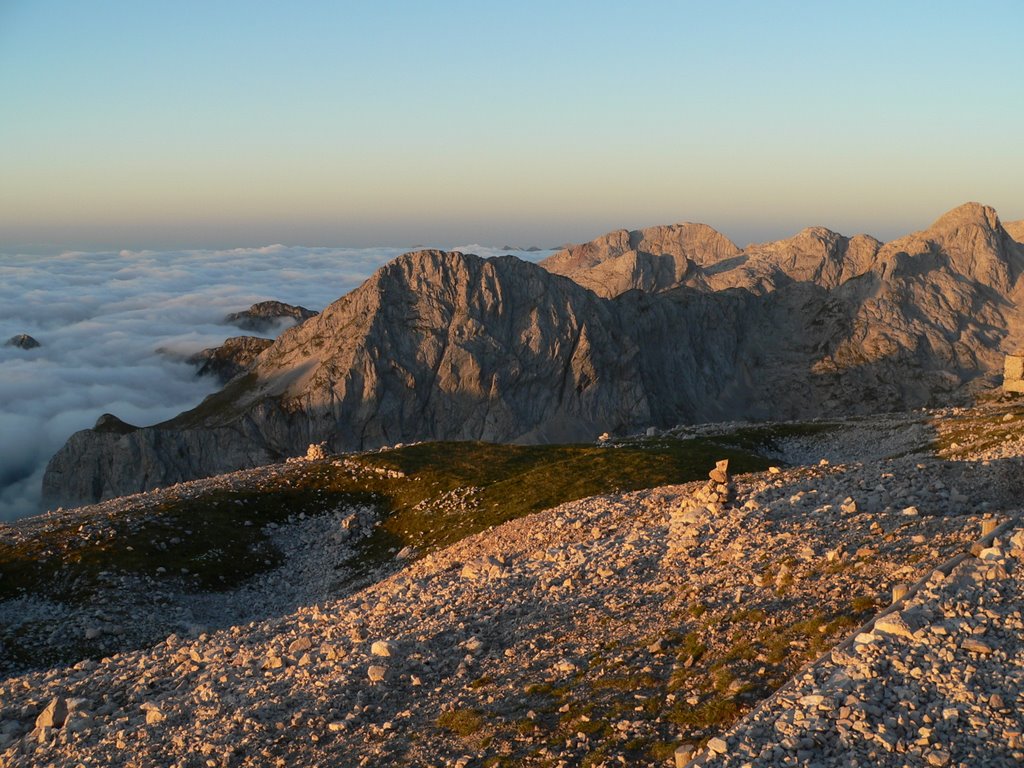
{"x": 1013, "y": 373}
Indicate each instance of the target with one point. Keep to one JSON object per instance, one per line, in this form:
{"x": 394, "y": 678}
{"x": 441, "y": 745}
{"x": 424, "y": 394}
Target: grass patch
{"x": 625, "y": 683}
{"x": 211, "y": 542}
{"x": 219, "y": 408}
{"x": 707, "y": 715}
{"x": 511, "y": 481}
{"x": 768, "y": 436}
{"x": 662, "y": 751}
{"x": 977, "y": 430}
{"x": 748, "y": 616}
{"x": 430, "y": 496}
{"x": 462, "y": 722}
{"x": 860, "y": 606}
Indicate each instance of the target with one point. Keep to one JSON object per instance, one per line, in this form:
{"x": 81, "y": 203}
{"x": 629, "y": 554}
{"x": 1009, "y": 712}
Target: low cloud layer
{"x": 101, "y": 319}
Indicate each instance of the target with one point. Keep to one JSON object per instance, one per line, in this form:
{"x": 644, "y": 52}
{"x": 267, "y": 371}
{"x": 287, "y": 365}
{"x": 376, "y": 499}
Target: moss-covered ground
{"x": 429, "y": 496}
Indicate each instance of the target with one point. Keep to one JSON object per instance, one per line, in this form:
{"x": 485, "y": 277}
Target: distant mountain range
{"x": 634, "y": 329}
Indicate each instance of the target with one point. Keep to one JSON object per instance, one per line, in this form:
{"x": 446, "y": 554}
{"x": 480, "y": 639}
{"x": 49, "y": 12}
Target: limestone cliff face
{"x": 435, "y": 345}
{"x": 664, "y": 326}
{"x": 653, "y": 259}
{"x": 663, "y": 258}
{"x": 457, "y": 347}
{"x": 943, "y": 300}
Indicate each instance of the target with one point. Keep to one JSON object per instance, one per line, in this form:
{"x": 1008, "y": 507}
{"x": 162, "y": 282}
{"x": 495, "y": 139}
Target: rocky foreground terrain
{"x": 654, "y": 328}
{"x": 636, "y": 628}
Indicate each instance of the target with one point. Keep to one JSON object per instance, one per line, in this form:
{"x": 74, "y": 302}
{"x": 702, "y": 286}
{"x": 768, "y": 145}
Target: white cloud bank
{"x": 101, "y": 317}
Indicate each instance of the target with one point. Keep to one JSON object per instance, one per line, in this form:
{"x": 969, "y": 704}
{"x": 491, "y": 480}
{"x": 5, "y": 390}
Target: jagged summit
{"x": 663, "y": 258}
{"x": 651, "y": 259}
{"x": 22, "y": 341}
{"x": 264, "y": 316}
{"x": 229, "y": 359}
{"x": 433, "y": 335}
{"x": 110, "y": 423}
{"x": 968, "y": 241}
{"x": 968, "y": 214}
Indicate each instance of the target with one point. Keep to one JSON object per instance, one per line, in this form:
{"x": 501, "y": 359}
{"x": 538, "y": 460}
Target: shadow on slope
{"x": 427, "y": 496}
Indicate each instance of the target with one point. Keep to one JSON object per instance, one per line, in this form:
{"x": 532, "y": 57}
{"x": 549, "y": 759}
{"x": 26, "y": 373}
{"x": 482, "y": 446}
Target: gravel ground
{"x": 607, "y": 631}
{"x": 939, "y": 682}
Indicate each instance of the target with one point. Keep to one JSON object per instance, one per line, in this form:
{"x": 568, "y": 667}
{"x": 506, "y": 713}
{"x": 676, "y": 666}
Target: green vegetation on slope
{"x": 505, "y": 482}
{"x": 430, "y": 495}
{"x": 979, "y": 429}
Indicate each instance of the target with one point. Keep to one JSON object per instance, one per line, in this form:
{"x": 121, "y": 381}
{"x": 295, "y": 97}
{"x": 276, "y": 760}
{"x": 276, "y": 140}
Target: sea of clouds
{"x": 116, "y": 328}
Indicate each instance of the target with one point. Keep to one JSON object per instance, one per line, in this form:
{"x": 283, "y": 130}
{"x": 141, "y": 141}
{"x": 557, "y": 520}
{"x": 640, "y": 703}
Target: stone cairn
{"x": 698, "y": 509}
{"x": 315, "y": 452}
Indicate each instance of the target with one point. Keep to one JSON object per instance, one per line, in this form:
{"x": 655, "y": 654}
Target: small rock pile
{"x": 316, "y": 452}
{"x": 709, "y": 501}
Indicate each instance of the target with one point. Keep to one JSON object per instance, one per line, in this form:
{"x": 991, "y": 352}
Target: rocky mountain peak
{"x": 431, "y": 334}
{"x": 969, "y": 241}
{"x": 22, "y": 341}
{"x": 264, "y": 316}
{"x": 966, "y": 215}
{"x": 652, "y": 259}
{"x": 111, "y": 424}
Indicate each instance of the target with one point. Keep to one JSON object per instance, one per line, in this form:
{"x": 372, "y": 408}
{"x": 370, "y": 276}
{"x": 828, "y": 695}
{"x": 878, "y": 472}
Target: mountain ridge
{"x": 442, "y": 345}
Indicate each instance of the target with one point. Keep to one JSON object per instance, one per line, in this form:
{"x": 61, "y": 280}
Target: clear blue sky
{"x": 218, "y": 123}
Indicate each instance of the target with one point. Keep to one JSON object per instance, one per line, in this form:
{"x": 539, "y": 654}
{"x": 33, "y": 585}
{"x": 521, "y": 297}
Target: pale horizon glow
{"x": 232, "y": 124}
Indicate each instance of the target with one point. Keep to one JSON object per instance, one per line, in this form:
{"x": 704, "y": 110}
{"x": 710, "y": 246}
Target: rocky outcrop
{"x": 266, "y": 316}
{"x": 22, "y": 341}
{"x": 1015, "y": 229}
{"x": 653, "y": 259}
{"x": 434, "y": 344}
{"x": 450, "y": 346}
{"x": 230, "y": 359}
{"x": 110, "y": 424}
{"x": 663, "y": 258}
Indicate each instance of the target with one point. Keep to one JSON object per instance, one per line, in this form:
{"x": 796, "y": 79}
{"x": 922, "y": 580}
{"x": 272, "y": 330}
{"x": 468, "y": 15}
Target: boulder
{"x": 54, "y": 714}
{"x": 384, "y": 648}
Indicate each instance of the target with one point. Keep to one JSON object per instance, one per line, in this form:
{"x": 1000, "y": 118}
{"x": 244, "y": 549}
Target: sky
{"x": 198, "y": 124}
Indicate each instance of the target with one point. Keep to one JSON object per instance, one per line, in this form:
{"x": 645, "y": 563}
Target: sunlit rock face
{"x": 1015, "y": 229}
{"x": 657, "y": 327}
